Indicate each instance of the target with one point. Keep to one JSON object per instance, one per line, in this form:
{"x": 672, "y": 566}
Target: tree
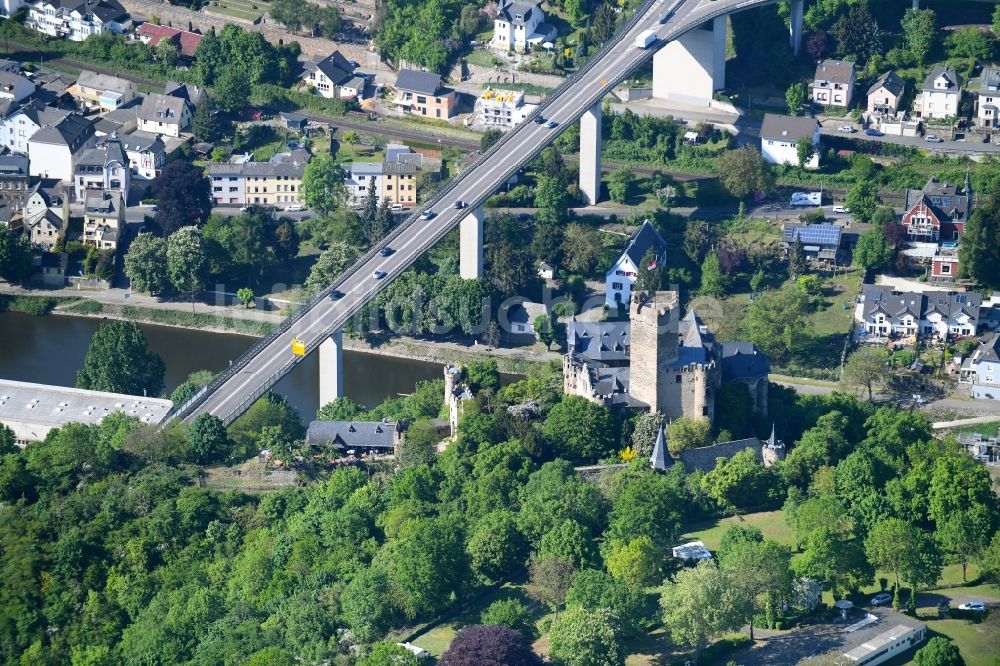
{"x": 701, "y": 604}
{"x": 334, "y": 261}
{"x": 873, "y": 250}
{"x": 489, "y": 645}
{"x": 585, "y": 637}
{"x": 818, "y": 45}
{"x": 795, "y": 98}
{"x": 905, "y": 550}
{"x": 593, "y": 589}
{"x": 969, "y": 43}
{"x": 743, "y": 171}
{"x": 688, "y": 432}
{"x": 651, "y": 272}
{"x": 995, "y": 25}
{"x": 636, "y": 562}
{"x": 206, "y": 125}
{"x": 734, "y": 409}
{"x": 778, "y": 322}
{"x": 186, "y": 263}
{"x": 857, "y": 33}
{"x": 979, "y": 251}
{"x": 821, "y": 511}
{"x": 579, "y": 430}
{"x": 323, "y": 184}
{"x": 552, "y": 201}
{"x": 620, "y": 185}
{"x": 581, "y": 248}
{"x": 551, "y": 578}
{"x": 761, "y": 572}
{"x": 286, "y": 241}
{"x": 804, "y": 150}
{"x": 15, "y": 255}
{"x": 867, "y": 367}
{"x": 798, "y": 262}
{"x": 840, "y": 565}
{"x": 740, "y": 482}
{"x": 146, "y": 264}
{"x": 863, "y": 200}
{"x": 118, "y": 361}
{"x": 415, "y": 559}
{"x": 245, "y": 294}
{"x": 604, "y": 24}
{"x": 965, "y": 535}
{"x": 167, "y": 52}
{"x": 699, "y": 236}
{"x": 367, "y": 604}
{"x": 207, "y": 439}
{"x": 920, "y": 32}
{"x": 544, "y": 330}
{"x": 713, "y": 281}
{"x": 647, "y": 428}
{"x": 232, "y": 90}
{"x": 369, "y": 216}
{"x": 183, "y": 196}
{"x": 510, "y": 613}
{"x": 389, "y": 653}
{"x": 496, "y": 546}
{"x": 939, "y": 651}
{"x": 488, "y": 138}
{"x": 958, "y": 484}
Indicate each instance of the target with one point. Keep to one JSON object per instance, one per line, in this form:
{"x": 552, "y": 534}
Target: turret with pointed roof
{"x": 661, "y": 458}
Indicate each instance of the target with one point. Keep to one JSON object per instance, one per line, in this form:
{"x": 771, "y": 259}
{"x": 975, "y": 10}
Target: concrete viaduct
{"x": 688, "y": 64}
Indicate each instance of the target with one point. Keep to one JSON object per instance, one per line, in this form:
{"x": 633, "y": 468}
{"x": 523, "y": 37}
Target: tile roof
{"x": 837, "y": 71}
{"x": 787, "y": 128}
{"x": 424, "y": 83}
{"x": 187, "y": 41}
{"x": 890, "y": 81}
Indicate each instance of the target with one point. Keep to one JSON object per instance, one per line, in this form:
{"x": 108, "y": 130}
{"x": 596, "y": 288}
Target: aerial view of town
{"x": 499, "y": 332}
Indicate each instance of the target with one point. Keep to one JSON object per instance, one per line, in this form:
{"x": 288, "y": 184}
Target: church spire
{"x": 660, "y": 459}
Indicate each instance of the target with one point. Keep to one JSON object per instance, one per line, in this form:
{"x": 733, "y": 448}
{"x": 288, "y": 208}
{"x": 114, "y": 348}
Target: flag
{"x": 652, "y": 265}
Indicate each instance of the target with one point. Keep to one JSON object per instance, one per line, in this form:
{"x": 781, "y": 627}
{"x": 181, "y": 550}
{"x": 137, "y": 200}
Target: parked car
{"x": 846, "y": 129}
{"x": 931, "y": 138}
{"x": 294, "y": 208}
{"x": 841, "y": 209}
{"x": 386, "y": 251}
{"x": 973, "y": 606}
{"x": 881, "y": 599}
{"x": 427, "y": 215}
{"x": 378, "y": 275}
{"x": 873, "y": 132}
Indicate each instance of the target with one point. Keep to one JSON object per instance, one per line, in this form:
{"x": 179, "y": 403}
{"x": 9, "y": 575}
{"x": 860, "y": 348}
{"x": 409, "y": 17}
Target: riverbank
{"x": 240, "y": 321}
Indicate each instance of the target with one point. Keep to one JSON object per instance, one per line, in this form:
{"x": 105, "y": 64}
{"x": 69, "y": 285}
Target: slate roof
{"x": 399, "y": 168}
{"x": 942, "y": 70}
{"x": 161, "y": 108}
{"x": 890, "y": 81}
{"x": 188, "y": 91}
{"x": 893, "y": 304}
{"x": 351, "y": 434}
{"x": 40, "y": 114}
{"x": 257, "y": 169}
{"x": 72, "y": 131}
{"x": 742, "y": 360}
{"x": 10, "y": 80}
{"x": 948, "y": 201}
{"x": 139, "y": 141}
{"x": 989, "y": 80}
{"x": 787, "y": 128}
{"x": 988, "y": 351}
{"x": 424, "y": 83}
{"x": 835, "y": 71}
{"x": 951, "y": 304}
{"x": 598, "y": 341}
{"x": 642, "y": 240}
{"x": 102, "y": 204}
{"x": 110, "y": 150}
{"x": 102, "y": 82}
{"x": 661, "y": 458}
{"x": 511, "y": 10}
{"x": 12, "y": 166}
{"x": 186, "y": 41}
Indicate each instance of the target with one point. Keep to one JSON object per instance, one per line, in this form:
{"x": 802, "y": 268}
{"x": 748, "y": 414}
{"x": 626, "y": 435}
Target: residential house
{"x": 362, "y": 177}
{"x": 186, "y": 91}
{"x": 820, "y": 242}
{"x": 938, "y": 212}
{"x": 120, "y": 121}
{"x": 103, "y": 168}
{"x": 53, "y": 150}
{"x": 988, "y": 98}
{"x": 502, "y": 108}
{"x": 520, "y": 25}
{"x": 624, "y": 272}
{"x": 422, "y": 94}
{"x": 165, "y": 115}
{"x": 103, "y": 215}
{"x": 331, "y": 77}
{"x": 940, "y": 95}
{"x": 187, "y": 42}
{"x": 52, "y": 89}
{"x": 521, "y": 316}
{"x": 146, "y": 154}
{"x": 272, "y": 183}
{"x": 884, "y": 313}
{"x": 779, "y": 137}
{"x": 46, "y": 213}
{"x": 982, "y": 369}
{"x": 53, "y": 268}
{"x": 380, "y": 437}
{"x": 885, "y": 94}
{"x": 833, "y": 84}
{"x": 103, "y": 92}
{"x": 14, "y": 88}
{"x": 21, "y": 124}
{"x": 14, "y": 177}
{"x": 399, "y": 184}
{"x": 76, "y": 20}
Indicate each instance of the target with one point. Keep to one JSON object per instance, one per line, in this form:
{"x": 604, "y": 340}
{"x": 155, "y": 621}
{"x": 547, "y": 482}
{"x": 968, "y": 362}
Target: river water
{"x": 50, "y": 350}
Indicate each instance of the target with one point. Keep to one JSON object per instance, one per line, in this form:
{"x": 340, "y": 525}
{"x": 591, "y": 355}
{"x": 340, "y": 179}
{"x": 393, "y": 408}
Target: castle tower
{"x": 653, "y": 342}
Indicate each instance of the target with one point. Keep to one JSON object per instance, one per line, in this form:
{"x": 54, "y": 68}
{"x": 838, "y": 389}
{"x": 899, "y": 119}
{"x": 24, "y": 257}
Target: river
{"x": 50, "y": 349}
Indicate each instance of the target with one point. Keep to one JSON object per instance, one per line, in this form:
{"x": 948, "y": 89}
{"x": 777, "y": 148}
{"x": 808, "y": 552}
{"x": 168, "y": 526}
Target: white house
{"x": 361, "y": 178}
{"x": 333, "y": 77}
{"x": 19, "y": 126}
{"x": 54, "y": 149}
{"x": 982, "y": 369}
{"x": 502, "y": 108}
{"x": 46, "y": 213}
{"x": 76, "y": 20}
{"x": 779, "y": 136}
{"x": 14, "y": 87}
{"x": 885, "y": 313}
{"x": 519, "y": 25}
{"x": 146, "y": 154}
{"x": 104, "y": 168}
{"x": 165, "y": 115}
{"x": 623, "y": 274}
{"x": 833, "y": 84}
{"x": 988, "y": 99}
{"x": 940, "y": 95}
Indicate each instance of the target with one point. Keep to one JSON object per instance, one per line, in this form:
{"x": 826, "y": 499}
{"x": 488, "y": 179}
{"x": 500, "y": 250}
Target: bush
{"x": 33, "y": 305}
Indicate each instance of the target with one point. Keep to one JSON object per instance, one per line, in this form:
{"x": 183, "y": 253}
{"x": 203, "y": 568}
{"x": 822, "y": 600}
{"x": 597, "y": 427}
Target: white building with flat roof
{"x": 32, "y": 410}
{"x": 502, "y": 108}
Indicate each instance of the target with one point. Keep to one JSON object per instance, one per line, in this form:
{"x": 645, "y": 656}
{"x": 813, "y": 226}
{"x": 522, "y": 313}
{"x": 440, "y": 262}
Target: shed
{"x": 294, "y": 121}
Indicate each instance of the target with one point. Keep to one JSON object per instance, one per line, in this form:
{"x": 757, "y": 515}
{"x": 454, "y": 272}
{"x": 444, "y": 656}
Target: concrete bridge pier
{"x": 795, "y": 25}
{"x": 331, "y": 368}
{"x": 470, "y": 259}
{"x": 590, "y": 154}
{"x": 691, "y": 68}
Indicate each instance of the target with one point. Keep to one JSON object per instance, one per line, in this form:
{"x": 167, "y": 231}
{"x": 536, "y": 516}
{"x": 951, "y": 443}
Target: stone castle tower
{"x": 658, "y": 376}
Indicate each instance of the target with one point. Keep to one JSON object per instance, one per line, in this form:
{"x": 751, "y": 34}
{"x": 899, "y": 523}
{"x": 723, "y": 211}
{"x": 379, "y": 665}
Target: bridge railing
{"x": 187, "y": 408}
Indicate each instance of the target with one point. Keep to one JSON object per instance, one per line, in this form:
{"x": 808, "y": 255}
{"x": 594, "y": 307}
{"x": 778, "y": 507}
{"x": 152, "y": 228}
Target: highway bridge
{"x": 249, "y": 377}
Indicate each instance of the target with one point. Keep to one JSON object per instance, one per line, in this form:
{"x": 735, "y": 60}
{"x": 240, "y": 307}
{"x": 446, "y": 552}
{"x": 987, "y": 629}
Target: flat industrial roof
{"x": 54, "y": 406}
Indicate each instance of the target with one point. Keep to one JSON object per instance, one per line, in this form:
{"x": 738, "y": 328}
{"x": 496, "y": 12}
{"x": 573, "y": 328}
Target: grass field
{"x": 771, "y": 523}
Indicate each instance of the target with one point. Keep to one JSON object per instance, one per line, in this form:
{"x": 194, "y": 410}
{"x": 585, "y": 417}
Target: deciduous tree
{"x": 979, "y": 251}
{"x": 489, "y": 645}
{"x": 688, "y": 432}
{"x": 583, "y": 637}
{"x": 146, "y": 264}
{"x": 867, "y": 367}
{"x": 118, "y": 361}
{"x": 920, "y": 32}
{"x": 579, "y": 430}
{"x": 873, "y": 249}
{"x": 186, "y": 262}
{"x": 334, "y": 261}
{"x": 939, "y": 651}
{"x": 761, "y": 572}
{"x": 15, "y": 255}
{"x": 778, "y": 322}
{"x": 183, "y": 196}
{"x": 323, "y": 184}
{"x": 701, "y": 604}
{"x": 743, "y": 171}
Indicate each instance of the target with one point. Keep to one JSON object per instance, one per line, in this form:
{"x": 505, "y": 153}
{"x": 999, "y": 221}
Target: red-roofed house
{"x": 152, "y": 34}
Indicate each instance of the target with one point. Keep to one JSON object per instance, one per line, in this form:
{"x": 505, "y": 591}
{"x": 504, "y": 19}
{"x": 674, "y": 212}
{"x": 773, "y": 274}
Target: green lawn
{"x": 771, "y": 523}
{"x": 834, "y": 318}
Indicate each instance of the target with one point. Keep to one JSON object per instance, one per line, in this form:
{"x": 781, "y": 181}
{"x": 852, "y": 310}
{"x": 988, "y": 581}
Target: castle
{"x": 658, "y": 361}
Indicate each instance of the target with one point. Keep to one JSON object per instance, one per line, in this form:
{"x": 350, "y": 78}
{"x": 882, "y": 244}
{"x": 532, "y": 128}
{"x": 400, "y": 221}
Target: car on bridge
{"x": 386, "y": 251}
{"x": 378, "y": 275}
{"x": 550, "y": 124}
{"x": 427, "y": 215}
{"x": 336, "y": 295}
{"x": 459, "y": 205}
{"x": 538, "y": 120}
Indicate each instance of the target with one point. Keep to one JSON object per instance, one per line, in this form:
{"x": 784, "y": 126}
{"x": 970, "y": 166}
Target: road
{"x": 259, "y": 369}
{"x": 832, "y": 128}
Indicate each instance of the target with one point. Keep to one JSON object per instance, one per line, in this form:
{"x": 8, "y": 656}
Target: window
{"x": 616, "y": 285}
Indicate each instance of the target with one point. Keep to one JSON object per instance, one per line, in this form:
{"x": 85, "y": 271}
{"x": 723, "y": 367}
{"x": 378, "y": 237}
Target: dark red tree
{"x": 489, "y": 645}
{"x": 183, "y": 196}
{"x": 818, "y": 45}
